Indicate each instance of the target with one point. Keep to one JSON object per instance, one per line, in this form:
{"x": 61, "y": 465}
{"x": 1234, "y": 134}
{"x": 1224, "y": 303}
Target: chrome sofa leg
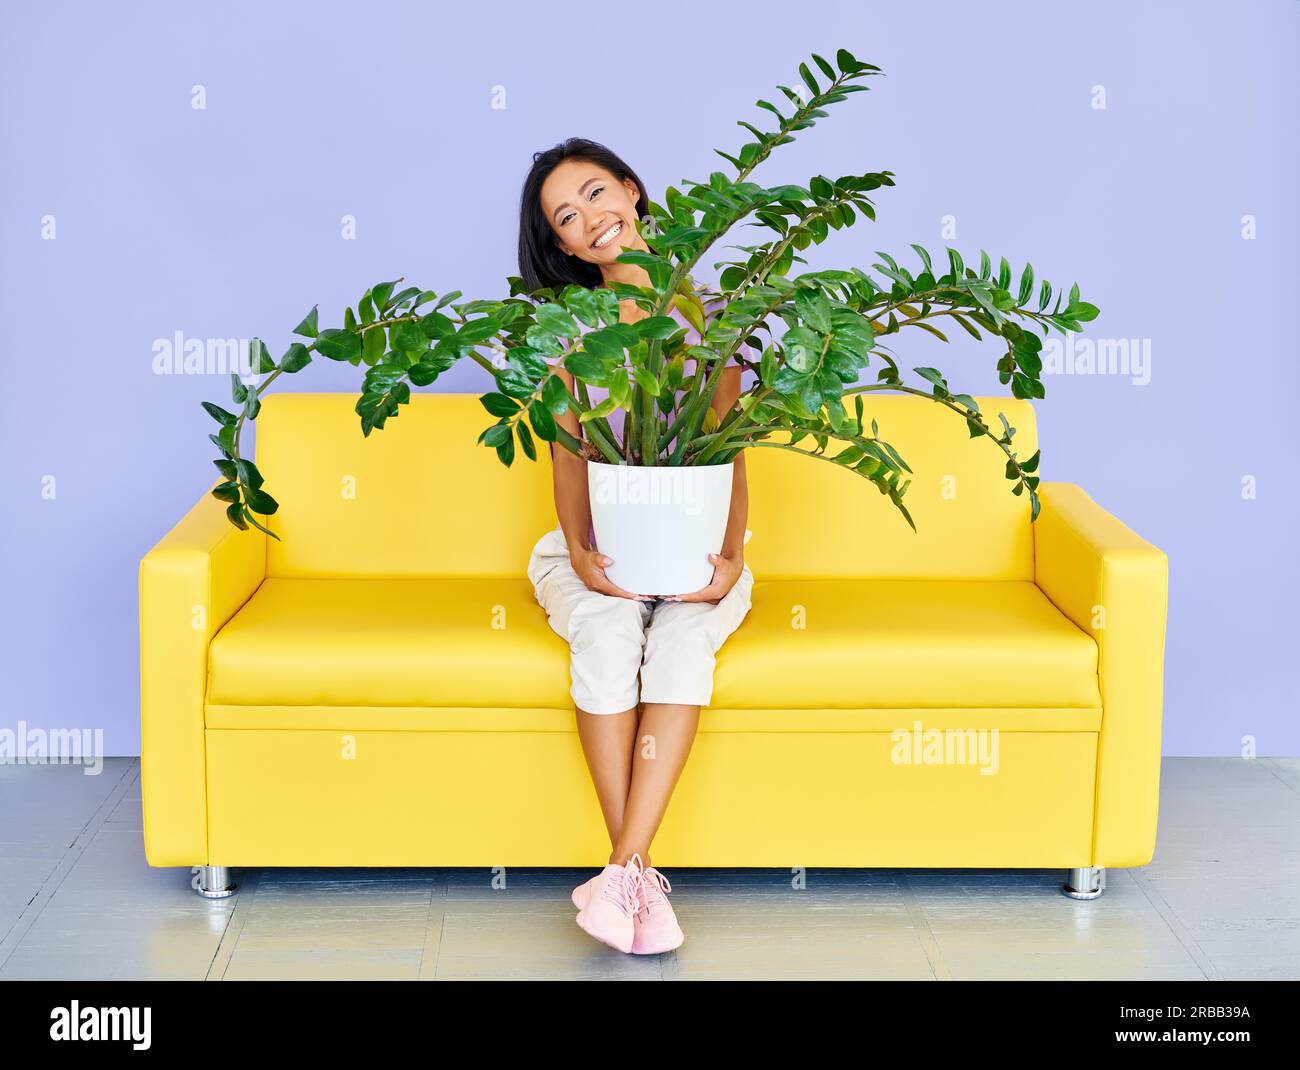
{"x": 212, "y": 882}
{"x": 1085, "y": 883}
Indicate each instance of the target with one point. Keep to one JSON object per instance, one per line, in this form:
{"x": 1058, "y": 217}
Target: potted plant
{"x": 807, "y": 395}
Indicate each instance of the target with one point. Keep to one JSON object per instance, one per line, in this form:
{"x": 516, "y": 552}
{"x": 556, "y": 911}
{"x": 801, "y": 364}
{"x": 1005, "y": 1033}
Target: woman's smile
{"x": 590, "y": 214}
{"x": 608, "y": 235}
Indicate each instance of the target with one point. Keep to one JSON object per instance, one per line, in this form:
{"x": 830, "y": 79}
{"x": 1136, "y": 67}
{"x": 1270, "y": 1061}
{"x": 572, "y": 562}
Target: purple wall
{"x": 226, "y": 221}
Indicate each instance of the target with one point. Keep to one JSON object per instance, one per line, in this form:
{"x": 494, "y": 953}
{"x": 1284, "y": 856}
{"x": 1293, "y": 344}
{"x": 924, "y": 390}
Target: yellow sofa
{"x": 380, "y": 688}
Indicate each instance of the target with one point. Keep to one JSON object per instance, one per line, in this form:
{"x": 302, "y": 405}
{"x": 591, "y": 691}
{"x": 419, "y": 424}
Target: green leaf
{"x": 380, "y": 294}
{"x": 588, "y": 368}
{"x": 374, "y": 345}
{"x": 307, "y": 328}
{"x": 1026, "y": 285}
{"x": 608, "y": 343}
{"x": 248, "y": 474}
{"x": 555, "y": 396}
{"x": 339, "y": 345}
{"x": 258, "y": 357}
{"x": 506, "y": 452}
{"x": 219, "y": 414}
{"x": 235, "y": 513}
{"x": 425, "y": 372}
{"x": 526, "y": 440}
{"x": 1004, "y": 275}
{"x": 261, "y": 502}
{"x": 556, "y": 320}
{"x": 925, "y": 258}
{"x": 408, "y": 337}
{"x": 497, "y": 434}
{"x": 225, "y": 439}
{"x": 928, "y": 328}
{"x": 499, "y": 404}
{"x": 542, "y": 420}
{"x": 406, "y": 295}
{"x": 809, "y": 80}
{"x": 646, "y": 380}
{"x": 814, "y": 309}
{"x": 226, "y": 492}
{"x": 825, "y": 67}
{"x": 966, "y": 325}
{"x": 620, "y": 389}
{"x": 296, "y": 357}
{"x": 1083, "y": 312}
{"x": 656, "y": 326}
{"x": 437, "y": 326}
{"x": 603, "y": 409}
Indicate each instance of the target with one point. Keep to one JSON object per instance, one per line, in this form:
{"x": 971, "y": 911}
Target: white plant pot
{"x": 659, "y": 523}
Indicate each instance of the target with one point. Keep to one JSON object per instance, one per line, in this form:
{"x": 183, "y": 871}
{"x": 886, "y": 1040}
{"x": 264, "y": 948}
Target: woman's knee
{"x": 612, "y": 625}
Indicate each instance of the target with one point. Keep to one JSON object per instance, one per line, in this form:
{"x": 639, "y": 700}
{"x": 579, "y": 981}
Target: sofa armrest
{"x": 191, "y": 583}
{"x": 1114, "y": 585}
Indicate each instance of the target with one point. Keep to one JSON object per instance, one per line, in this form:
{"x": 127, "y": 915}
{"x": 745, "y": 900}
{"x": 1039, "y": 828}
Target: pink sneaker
{"x": 655, "y": 928}
{"x": 607, "y": 902}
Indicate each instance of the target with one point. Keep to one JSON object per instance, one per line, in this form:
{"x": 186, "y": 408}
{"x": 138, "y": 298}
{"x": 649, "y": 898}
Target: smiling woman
{"x": 641, "y": 662}
{"x": 579, "y": 211}
{"x": 575, "y": 193}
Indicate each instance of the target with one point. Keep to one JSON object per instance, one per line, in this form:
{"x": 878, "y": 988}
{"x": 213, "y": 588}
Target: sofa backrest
{"x": 811, "y": 518}
{"x": 423, "y": 498}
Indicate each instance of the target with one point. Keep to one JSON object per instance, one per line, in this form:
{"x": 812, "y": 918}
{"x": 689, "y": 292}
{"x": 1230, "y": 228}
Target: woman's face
{"x": 592, "y": 213}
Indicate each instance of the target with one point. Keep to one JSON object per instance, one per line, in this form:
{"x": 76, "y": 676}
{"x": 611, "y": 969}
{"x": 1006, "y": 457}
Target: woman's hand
{"x": 590, "y": 566}
{"x": 726, "y": 571}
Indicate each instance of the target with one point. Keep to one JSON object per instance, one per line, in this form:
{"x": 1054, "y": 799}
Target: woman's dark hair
{"x": 542, "y": 263}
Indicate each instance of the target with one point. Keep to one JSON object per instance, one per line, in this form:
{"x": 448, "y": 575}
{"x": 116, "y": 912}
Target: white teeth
{"x": 608, "y": 236}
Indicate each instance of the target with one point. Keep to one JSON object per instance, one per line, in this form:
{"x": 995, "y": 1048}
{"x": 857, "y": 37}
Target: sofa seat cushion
{"x": 905, "y": 644}
{"x": 474, "y": 642}
{"x": 806, "y": 645}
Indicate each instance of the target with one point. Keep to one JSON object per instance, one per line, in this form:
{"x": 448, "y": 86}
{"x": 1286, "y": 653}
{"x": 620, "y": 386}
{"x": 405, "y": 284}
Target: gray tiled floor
{"x": 1220, "y": 900}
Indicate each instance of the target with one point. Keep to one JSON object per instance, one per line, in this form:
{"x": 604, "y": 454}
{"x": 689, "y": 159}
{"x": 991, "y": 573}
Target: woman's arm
{"x": 572, "y": 503}
{"x": 573, "y": 507}
{"x": 733, "y": 543}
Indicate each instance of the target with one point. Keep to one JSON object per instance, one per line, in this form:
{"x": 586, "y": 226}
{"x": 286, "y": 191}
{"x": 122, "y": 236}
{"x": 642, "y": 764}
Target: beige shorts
{"x": 670, "y": 646}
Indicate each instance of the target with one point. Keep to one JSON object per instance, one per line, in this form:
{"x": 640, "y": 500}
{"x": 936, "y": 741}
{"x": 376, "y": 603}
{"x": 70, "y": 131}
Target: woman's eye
{"x": 592, "y": 197}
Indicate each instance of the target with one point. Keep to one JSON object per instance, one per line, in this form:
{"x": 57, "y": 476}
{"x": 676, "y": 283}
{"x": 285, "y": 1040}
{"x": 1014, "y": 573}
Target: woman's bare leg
{"x": 607, "y": 743}
{"x": 663, "y": 743}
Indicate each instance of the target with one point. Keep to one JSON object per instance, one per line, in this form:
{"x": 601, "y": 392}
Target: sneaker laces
{"x": 623, "y": 889}
{"x": 654, "y": 889}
